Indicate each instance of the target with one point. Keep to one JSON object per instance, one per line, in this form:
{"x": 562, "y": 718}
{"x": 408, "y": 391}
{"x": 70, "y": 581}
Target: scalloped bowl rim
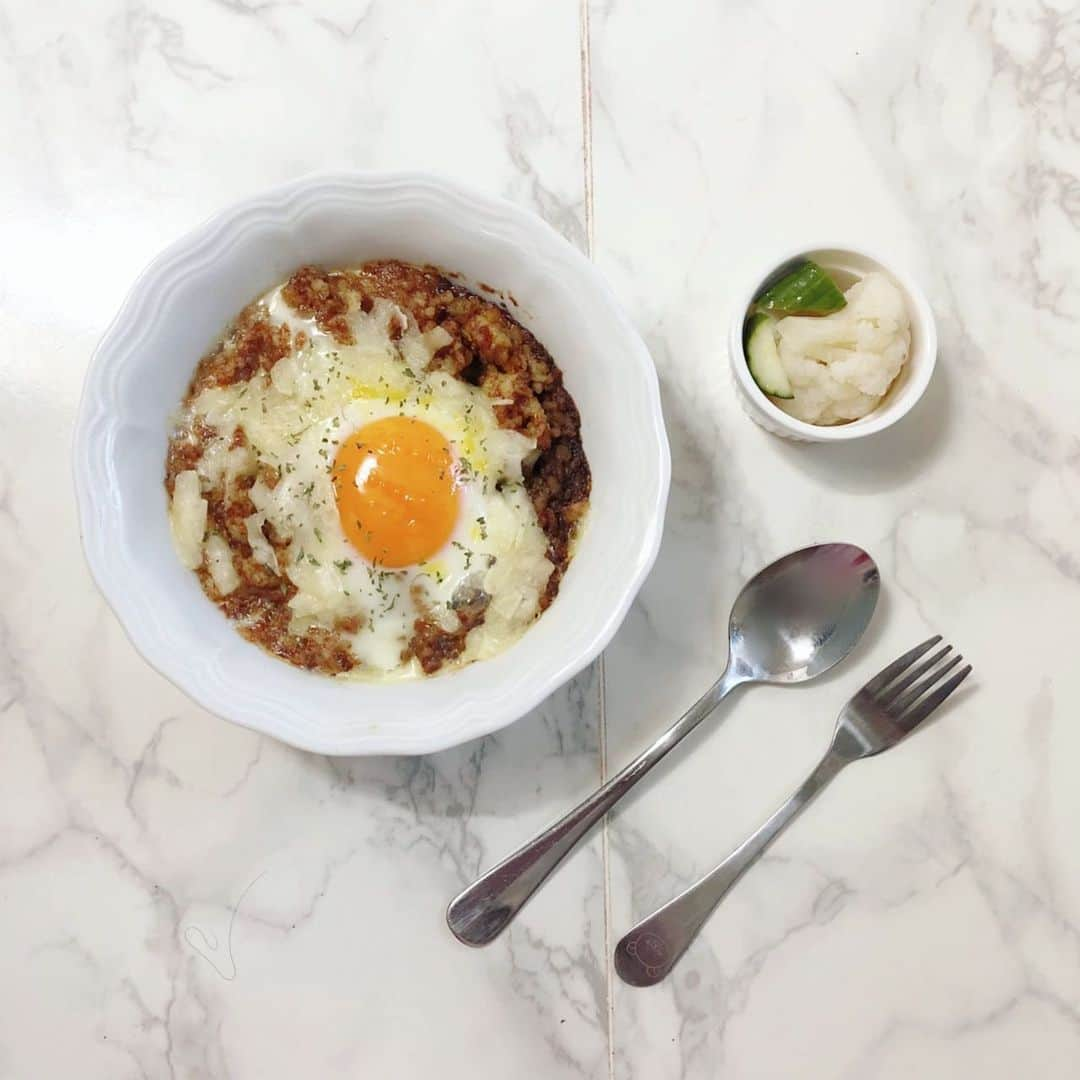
{"x": 459, "y": 706}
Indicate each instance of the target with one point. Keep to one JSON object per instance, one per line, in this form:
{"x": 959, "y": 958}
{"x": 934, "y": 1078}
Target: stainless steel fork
{"x": 889, "y": 707}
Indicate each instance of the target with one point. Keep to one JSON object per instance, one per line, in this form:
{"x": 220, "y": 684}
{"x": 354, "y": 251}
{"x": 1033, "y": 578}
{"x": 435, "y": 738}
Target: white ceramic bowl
{"x": 910, "y": 384}
{"x": 180, "y": 305}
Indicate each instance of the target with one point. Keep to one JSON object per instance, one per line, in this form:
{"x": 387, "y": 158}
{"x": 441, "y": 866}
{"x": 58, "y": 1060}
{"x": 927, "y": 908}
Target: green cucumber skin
{"x": 753, "y": 321}
{"x": 807, "y": 290}
{"x": 767, "y": 372}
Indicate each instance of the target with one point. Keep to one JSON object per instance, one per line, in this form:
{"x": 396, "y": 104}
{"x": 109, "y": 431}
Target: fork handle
{"x": 479, "y": 914}
{"x": 648, "y": 952}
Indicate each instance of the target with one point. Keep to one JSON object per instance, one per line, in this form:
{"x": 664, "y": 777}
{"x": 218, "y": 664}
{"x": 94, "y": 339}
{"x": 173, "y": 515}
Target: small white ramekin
{"x": 903, "y": 394}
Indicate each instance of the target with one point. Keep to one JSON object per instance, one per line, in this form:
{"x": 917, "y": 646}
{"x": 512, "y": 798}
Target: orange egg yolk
{"x": 395, "y": 490}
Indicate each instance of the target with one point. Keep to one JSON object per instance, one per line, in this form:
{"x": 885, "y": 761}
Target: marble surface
{"x": 181, "y": 898}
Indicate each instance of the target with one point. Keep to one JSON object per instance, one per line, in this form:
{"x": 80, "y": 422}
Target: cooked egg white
{"x": 296, "y": 417}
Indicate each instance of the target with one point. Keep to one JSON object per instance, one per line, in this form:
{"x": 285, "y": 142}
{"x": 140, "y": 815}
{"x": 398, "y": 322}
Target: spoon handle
{"x": 648, "y": 952}
{"x": 479, "y": 914}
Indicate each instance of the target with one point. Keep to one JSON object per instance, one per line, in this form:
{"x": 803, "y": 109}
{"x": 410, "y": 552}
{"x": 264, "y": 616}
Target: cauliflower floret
{"x": 841, "y": 365}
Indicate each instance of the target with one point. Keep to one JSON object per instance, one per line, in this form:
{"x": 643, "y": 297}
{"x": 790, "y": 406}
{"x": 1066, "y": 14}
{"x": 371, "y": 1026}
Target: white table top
{"x": 181, "y": 898}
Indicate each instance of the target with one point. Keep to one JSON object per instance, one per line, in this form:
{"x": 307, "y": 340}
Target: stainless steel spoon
{"x": 797, "y": 618}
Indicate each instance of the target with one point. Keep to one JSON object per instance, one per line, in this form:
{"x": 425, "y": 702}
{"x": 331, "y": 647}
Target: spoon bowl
{"x": 802, "y": 614}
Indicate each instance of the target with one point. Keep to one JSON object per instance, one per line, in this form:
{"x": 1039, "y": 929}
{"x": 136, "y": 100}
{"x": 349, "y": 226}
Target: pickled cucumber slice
{"x": 763, "y": 357}
{"x": 807, "y": 290}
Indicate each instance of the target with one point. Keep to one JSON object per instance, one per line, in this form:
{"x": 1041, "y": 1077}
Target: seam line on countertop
{"x": 606, "y": 871}
{"x": 586, "y": 123}
{"x": 601, "y": 671}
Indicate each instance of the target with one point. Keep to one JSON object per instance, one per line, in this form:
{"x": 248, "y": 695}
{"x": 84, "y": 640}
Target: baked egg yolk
{"x": 395, "y": 490}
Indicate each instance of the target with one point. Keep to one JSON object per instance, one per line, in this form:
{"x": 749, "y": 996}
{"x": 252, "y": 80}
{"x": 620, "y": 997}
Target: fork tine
{"x": 886, "y": 675}
{"x": 894, "y": 689}
{"x": 908, "y": 698}
{"x": 919, "y": 712}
